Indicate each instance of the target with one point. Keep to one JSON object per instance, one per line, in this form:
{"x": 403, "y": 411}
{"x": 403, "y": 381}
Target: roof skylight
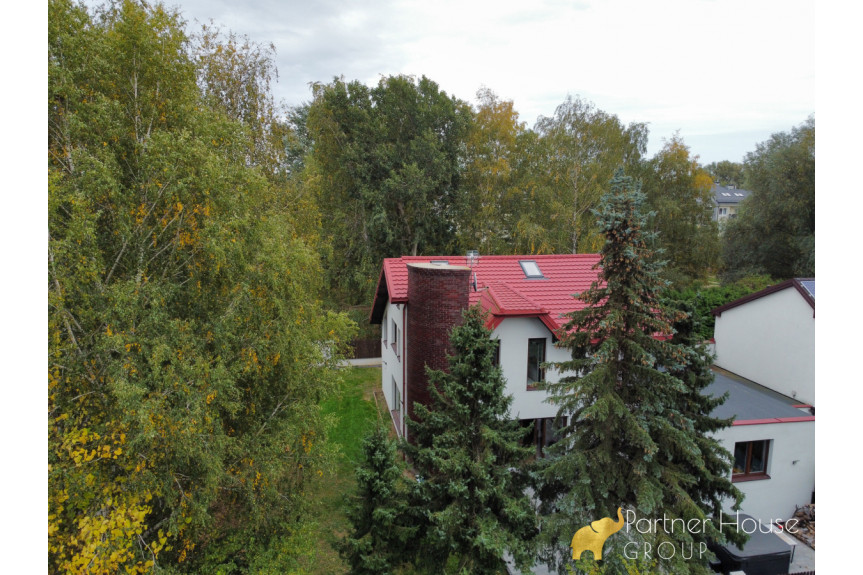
{"x": 530, "y": 269}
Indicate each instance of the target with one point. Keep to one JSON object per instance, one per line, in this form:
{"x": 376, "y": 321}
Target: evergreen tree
{"x": 469, "y": 499}
{"x": 635, "y": 433}
{"x": 377, "y": 537}
{"x": 711, "y": 483}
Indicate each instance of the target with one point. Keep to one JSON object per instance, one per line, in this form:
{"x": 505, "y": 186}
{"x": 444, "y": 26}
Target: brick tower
{"x": 437, "y": 294}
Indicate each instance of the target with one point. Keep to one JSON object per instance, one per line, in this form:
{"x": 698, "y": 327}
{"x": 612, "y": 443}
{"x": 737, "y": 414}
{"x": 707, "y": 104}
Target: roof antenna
{"x": 472, "y": 260}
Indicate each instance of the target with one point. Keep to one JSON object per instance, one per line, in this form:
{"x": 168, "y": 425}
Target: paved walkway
{"x": 363, "y": 362}
{"x": 804, "y": 558}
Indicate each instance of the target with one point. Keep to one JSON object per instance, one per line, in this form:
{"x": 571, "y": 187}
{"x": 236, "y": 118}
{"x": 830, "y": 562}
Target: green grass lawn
{"x": 356, "y": 413}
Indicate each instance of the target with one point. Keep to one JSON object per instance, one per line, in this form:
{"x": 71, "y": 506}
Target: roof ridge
{"x": 793, "y": 282}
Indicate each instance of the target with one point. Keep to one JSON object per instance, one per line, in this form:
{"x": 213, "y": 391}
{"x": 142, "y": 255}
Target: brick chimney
{"x": 437, "y": 295}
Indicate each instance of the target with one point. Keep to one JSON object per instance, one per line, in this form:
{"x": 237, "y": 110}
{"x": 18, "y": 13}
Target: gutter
{"x": 774, "y": 420}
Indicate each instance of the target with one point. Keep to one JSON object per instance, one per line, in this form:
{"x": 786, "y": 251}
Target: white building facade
{"x": 765, "y": 343}
{"x": 769, "y": 337}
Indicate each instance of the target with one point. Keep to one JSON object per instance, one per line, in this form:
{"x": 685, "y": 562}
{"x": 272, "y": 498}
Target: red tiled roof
{"x": 502, "y": 288}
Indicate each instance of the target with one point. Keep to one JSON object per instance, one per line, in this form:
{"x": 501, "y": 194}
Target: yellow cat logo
{"x": 592, "y": 537}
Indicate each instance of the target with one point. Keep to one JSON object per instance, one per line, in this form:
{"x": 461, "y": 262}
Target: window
{"x": 547, "y": 432}
{"x": 397, "y": 397}
{"x": 530, "y": 269}
{"x": 395, "y": 334}
{"x": 440, "y": 262}
{"x": 384, "y": 330}
{"x": 726, "y": 194}
{"x": 397, "y": 406}
{"x": 723, "y": 211}
{"x": 496, "y": 358}
{"x": 738, "y": 194}
{"x": 750, "y": 460}
{"x": 535, "y": 358}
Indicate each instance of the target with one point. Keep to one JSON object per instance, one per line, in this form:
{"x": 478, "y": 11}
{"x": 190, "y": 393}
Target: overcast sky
{"x": 726, "y": 73}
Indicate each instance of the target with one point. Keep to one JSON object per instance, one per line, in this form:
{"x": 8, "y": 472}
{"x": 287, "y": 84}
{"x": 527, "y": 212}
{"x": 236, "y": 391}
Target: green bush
{"x": 706, "y": 299}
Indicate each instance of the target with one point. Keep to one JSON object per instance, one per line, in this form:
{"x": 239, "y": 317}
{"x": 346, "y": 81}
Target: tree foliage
{"x": 726, "y": 173}
{"x": 679, "y": 193}
{"x": 703, "y": 300}
{"x": 774, "y": 231}
{"x": 187, "y": 348}
{"x": 636, "y": 422}
{"x": 379, "y": 536}
{"x": 493, "y": 197}
{"x": 575, "y": 153}
{"x": 709, "y": 472}
{"x": 386, "y": 163}
{"x": 468, "y": 502}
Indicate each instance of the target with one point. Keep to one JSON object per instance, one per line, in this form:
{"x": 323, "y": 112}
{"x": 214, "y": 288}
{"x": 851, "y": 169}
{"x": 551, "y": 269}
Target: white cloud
{"x": 705, "y": 67}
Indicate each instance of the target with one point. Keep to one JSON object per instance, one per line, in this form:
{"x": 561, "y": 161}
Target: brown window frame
{"x": 747, "y": 474}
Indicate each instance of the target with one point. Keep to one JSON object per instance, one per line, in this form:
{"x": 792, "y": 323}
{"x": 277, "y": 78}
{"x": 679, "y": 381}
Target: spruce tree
{"x": 636, "y": 422}
{"x": 469, "y": 498}
{"x": 711, "y": 483}
{"x": 376, "y": 542}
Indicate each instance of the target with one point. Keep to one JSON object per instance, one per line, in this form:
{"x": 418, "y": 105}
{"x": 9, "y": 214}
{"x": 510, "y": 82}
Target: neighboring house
{"x": 726, "y": 201}
{"x": 772, "y": 441}
{"x": 769, "y": 337}
{"x": 765, "y": 358}
{"x": 419, "y": 299}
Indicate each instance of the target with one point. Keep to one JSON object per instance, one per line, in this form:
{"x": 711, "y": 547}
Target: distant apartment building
{"x": 726, "y": 201}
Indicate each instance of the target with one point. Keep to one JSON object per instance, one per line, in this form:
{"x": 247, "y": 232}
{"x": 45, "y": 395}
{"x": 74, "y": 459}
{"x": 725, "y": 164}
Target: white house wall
{"x": 513, "y": 333}
{"x": 790, "y": 465}
{"x": 392, "y": 366}
{"x": 770, "y": 340}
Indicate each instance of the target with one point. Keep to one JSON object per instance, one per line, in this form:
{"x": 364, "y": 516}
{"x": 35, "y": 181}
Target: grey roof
{"x": 748, "y": 400}
{"x": 723, "y": 195}
{"x": 809, "y": 285}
